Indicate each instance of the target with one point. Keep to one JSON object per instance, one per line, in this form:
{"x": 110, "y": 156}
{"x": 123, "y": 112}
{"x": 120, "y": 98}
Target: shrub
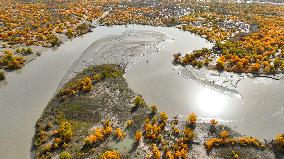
{"x": 96, "y": 136}
{"x": 119, "y": 133}
{"x": 181, "y": 152}
{"x": 65, "y": 131}
{"x": 110, "y": 155}
{"x": 153, "y": 130}
{"x": 210, "y": 143}
{"x": 70, "y": 33}
{"x": 48, "y": 125}
{"x": 192, "y": 118}
{"x": 46, "y": 148}
{"x": 111, "y": 72}
{"x": 213, "y": 122}
{"x": 89, "y": 140}
{"x": 189, "y": 134}
{"x": 24, "y": 51}
{"x": 10, "y": 61}
{"x": 2, "y": 75}
{"x": 225, "y": 141}
{"x": 138, "y": 136}
{"x": 154, "y": 109}
{"x": 65, "y": 155}
{"x": 129, "y": 123}
{"x": 235, "y": 155}
{"x": 57, "y": 142}
{"x": 224, "y": 134}
{"x": 54, "y": 132}
{"x": 177, "y": 57}
{"x": 175, "y": 130}
{"x": 156, "y": 152}
{"x": 84, "y": 84}
{"x": 29, "y": 51}
{"x": 139, "y": 101}
{"x": 54, "y": 40}
{"x": 200, "y": 64}
{"x": 244, "y": 141}
{"x": 169, "y": 155}
{"x": 107, "y": 130}
{"x": 107, "y": 123}
{"x": 163, "y": 116}
{"x": 220, "y": 65}
{"x": 41, "y": 137}
{"x": 279, "y": 141}
{"x": 82, "y": 28}
{"x": 255, "y": 67}
{"x": 15, "y": 63}
{"x": 97, "y": 77}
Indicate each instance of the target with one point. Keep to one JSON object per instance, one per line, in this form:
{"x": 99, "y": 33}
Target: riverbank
{"x": 154, "y": 71}
{"x": 44, "y": 42}
{"x": 225, "y": 83}
{"x": 124, "y": 49}
{"x": 30, "y": 103}
{"x": 79, "y": 109}
{"x": 108, "y": 106}
{"x": 222, "y": 81}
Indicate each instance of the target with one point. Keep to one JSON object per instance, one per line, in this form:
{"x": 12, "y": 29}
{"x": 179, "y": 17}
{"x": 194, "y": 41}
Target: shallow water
{"x": 258, "y": 113}
{"x": 26, "y": 92}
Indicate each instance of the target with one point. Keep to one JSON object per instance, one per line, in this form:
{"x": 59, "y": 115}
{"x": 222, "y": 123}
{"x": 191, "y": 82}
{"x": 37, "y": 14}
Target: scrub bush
{"x": 65, "y": 155}
{"x": 65, "y": 131}
{"x": 2, "y": 75}
{"x": 110, "y": 155}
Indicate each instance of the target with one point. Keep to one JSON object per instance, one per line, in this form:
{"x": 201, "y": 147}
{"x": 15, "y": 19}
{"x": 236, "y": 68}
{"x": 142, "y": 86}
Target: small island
{"x": 96, "y": 115}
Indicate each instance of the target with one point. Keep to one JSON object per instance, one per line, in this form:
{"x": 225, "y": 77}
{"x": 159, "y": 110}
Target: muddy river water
{"x": 25, "y": 93}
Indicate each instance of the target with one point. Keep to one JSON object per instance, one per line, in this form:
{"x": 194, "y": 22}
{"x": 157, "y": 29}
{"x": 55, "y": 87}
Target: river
{"x": 26, "y": 92}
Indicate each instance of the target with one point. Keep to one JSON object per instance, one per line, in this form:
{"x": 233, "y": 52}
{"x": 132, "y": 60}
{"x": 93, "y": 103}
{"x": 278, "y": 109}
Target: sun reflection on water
{"x": 210, "y": 102}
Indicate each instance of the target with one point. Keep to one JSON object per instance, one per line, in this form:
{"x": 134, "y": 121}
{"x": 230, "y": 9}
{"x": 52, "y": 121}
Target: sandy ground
{"x": 122, "y": 49}
{"x": 223, "y": 82}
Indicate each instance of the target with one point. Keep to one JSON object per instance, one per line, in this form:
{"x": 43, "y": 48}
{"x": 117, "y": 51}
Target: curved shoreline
{"x": 223, "y": 82}
{"x": 110, "y": 99}
{"x": 52, "y": 55}
{"x": 122, "y": 49}
{"x": 230, "y": 90}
